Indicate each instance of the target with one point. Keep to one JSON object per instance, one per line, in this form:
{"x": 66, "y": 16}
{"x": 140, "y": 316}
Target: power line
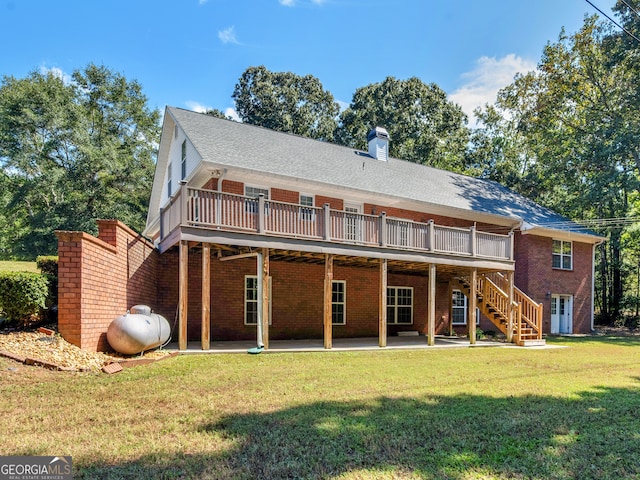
{"x": 631, "y": 8}
{"x": 614, "y": 22}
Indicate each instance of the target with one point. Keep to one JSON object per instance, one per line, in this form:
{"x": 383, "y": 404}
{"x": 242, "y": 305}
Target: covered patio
{"x": 416, "y": 342}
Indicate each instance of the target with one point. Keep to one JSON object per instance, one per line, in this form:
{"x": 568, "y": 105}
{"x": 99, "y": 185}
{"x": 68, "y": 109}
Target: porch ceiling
{"x": 444, "y": 272}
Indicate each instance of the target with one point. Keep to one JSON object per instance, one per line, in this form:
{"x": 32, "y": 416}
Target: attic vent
{"x": 378, "y": 139}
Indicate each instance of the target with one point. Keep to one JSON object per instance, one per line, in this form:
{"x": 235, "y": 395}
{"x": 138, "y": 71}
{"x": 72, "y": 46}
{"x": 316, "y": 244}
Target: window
{"x": 306, "y": 213}
{"x": 251, "y": 206}
{"x": 562, "y": 255}
{"x": 352, "y": 222}
{"x": 459, "y": 307}
{"x": 169, "y": 185}
{"x": 400, "y": 305}
{"x": 251, "y": 300}
{"x": 183, "y": 163}
{"x": 338, "y": 302}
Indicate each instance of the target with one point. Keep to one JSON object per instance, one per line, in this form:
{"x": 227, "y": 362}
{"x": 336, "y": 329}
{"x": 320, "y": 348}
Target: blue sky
{"x": 190, "y": 53}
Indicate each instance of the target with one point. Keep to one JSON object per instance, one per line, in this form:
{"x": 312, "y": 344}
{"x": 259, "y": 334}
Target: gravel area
{"x": 53, "y": 350}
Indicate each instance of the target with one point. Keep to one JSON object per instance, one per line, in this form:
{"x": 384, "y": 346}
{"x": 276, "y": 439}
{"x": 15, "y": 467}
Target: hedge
{"x": 48, "y": 264}
{"x": 22, "y": 295}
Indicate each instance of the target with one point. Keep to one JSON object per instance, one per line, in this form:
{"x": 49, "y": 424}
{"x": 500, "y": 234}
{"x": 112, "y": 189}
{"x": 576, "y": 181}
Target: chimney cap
{"x": 378, "y": 132}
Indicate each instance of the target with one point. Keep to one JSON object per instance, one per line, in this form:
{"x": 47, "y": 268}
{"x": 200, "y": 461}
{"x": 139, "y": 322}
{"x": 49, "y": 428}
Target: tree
{"x": 575, "y": 127}
{"x": 73, "y": 152}
{"x": 286, "y": 102}
{"x": 423, "y": 125}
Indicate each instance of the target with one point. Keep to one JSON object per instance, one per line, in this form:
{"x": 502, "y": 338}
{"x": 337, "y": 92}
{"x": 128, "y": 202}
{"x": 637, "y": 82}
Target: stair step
{"x": 532, "y": 343}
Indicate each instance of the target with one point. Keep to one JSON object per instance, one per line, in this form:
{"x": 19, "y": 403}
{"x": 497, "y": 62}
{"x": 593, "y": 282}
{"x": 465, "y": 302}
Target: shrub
{"x": 48, "y": 265}
{"x": 22, "y": 295}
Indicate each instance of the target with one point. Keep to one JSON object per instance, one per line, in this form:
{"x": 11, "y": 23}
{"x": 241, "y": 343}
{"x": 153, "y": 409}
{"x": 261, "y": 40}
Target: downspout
{"x": 593, "y": 284}
{"x": 223, "y": 172}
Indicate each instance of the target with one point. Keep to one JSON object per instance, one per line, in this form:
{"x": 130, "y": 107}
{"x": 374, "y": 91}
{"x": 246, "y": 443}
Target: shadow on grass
{"x": 593, "y": 435}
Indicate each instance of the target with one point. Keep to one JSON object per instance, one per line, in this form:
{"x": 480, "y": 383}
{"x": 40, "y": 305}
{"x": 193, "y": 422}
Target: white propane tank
{"x": 134, "y": 333}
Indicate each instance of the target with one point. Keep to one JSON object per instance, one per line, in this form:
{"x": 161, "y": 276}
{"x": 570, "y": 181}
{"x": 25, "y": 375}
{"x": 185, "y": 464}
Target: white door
{"x": 561, "y": 314}
{"x": 352, "y": 219}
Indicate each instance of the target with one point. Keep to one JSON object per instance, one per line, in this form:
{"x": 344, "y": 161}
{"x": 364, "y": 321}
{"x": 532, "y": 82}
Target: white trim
{"x": 464, "y": 307}
{"x": 343, "y": 303}
{"x": 244, "y": 310}
{"x": 562, "y": 255}
{"x": 395, "y": 305}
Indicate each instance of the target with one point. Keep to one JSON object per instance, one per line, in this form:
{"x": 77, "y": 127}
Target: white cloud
{"x": 486, "y": 79}
{"x": 197, "y": 107}
{"x": 293, "y": 3}
{"x": 228, "y": 35}
{"x": 230, "y": 112}
{"x": 58, "y": 73}
{"x": 202, "y": 2}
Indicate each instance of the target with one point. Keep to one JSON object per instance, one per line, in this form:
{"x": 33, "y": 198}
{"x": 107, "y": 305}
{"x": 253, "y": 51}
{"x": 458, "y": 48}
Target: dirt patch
{"x": 616, "y": 331}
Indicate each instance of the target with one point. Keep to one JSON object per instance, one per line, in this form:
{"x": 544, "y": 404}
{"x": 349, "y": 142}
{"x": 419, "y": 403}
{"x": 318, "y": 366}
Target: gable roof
{"x": 236, "y": 145}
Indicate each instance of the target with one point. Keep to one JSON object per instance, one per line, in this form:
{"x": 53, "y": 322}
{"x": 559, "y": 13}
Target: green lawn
{"x": 565, "y": 413}
{"x": 17, "y": 266}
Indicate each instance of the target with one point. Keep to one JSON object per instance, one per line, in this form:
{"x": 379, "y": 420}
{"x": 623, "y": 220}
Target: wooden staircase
{"x": 493, "y": 301}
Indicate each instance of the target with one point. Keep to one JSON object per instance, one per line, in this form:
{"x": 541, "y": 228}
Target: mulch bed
{"x": 45, "y": 348}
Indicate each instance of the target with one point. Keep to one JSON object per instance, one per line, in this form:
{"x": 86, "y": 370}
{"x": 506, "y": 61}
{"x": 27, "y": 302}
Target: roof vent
{"x": 378, "y": 139}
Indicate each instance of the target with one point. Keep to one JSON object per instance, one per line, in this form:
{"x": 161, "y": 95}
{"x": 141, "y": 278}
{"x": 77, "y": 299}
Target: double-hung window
{"x": 251, "y": 300}
{"x": 562, "y": 255}
{"x": 339, "y": 302}
{"x": 400, "y": 305}
{"x": 306, "y": 213}
{"x": 459, "y": 309}
{"x": 183, "y": 162}
{"x": 251, "y": 206}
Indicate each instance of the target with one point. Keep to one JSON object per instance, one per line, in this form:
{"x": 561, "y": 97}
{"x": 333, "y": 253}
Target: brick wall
{"x": 100, "y": 278}
{"x": 297, "y": 299}
{"x": 535, "y": 276}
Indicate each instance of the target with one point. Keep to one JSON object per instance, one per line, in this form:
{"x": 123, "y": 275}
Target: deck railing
{"x": 225, "y": 211}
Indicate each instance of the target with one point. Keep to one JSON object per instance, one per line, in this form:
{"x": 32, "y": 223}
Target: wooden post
{"x": 472, "y": 305}
{"x": 432, "y": 236}
{"x": 472, "y": 241}
{"x": 265, "y": 298}
{"x": 382, "y": 309}
{"x": 183, "y": 275}
{"x": 326, "y": 212}
{"x": 328, "y": 289}
{"x": 206, "y": 297}
{"x": 383, "y": 229}
{"x": 261, "y": 213}
{"x": 431, "y": 306}
{"x": 511, "y": 309}
{"x": 184, "y": 203}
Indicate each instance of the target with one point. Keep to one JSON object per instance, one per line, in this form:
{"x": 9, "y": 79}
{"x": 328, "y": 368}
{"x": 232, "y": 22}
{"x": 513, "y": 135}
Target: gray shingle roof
{"x": 250, "y": 147}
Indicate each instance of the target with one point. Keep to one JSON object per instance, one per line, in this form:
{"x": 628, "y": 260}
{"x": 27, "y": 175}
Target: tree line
{"x": 565, "y": 135}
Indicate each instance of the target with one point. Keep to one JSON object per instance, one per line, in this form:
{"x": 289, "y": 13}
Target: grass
{"x": 18, "y": 266}
{"x": 564, "y": 413}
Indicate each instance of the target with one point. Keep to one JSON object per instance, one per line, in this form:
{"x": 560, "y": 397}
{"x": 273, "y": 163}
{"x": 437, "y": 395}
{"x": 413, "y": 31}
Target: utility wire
{"x": 614, "y": 22}
{"x": 631, "y": 8}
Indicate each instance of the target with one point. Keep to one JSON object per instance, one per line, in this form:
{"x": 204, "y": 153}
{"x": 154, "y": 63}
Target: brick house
{"x": 255, "y": 232}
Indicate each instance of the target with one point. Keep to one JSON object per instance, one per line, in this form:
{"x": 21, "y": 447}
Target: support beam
{"x": 183, "y": 276}
{"x": 327, "y": 310}
{"x": 265, "y": 298}
{"x": 511, "y": 308}
{"x": 431, "y": 307}
{"x": 382, "y": 308}
{"x": 205, "y": 336}
{"x": 472, "y": 305}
